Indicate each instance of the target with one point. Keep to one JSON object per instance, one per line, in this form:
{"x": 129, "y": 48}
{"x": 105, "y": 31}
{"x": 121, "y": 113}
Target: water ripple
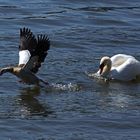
{"x": 101, "y": 9}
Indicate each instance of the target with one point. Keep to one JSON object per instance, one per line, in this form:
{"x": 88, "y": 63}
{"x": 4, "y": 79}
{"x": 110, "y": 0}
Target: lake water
{"x": 75, "y": 107}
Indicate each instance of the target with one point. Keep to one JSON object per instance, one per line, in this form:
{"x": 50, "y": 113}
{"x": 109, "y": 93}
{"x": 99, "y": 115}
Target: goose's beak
{"x": 0, "y": 73}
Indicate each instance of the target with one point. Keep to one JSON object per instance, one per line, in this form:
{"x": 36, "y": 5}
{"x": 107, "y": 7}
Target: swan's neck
{"x": 105, "y": 66}
{"x": 106, "y": 70}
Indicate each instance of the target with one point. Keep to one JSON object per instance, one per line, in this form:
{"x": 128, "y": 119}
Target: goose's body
{"x": 120, "y": 67}
{"x": 26, "y": 76}
{"x": 32, "y": 52}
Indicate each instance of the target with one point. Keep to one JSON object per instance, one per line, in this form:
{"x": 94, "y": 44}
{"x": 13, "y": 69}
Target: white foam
{"x": 65, "y": 87}
{"x": 96, "y": 76}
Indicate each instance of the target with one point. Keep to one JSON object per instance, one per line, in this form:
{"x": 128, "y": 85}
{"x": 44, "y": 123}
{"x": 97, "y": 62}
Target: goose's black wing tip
{"x": 27, "y": 40}
{"x": 25, "y": 31}
{"x": 43, "y": 42}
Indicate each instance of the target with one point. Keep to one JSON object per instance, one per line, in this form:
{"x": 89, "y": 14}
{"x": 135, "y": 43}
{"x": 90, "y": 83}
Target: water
{"x": 75, "y": 106}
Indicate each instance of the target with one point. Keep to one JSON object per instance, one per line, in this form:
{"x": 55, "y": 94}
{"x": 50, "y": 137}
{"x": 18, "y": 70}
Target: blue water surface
{"x": 75, "y": 106}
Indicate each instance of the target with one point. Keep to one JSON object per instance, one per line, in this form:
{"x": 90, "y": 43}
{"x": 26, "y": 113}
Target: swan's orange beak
{"x": 101, "y": 68}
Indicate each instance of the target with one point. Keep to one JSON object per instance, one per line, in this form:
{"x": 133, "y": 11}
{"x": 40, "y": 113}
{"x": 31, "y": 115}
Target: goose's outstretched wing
{"x": 32, "y": 51}
{"x": 27, "y": 46}
{"x": 43, "y": 45}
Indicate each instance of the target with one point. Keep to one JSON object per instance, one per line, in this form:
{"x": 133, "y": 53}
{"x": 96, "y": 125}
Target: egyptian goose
{"x": 120, "y": 67}
{"x": 32, "y": 52}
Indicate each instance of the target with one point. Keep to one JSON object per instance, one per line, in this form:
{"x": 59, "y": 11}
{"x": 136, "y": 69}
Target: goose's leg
{"x": 7, "y": 69}
{"x": 44, "y": 82}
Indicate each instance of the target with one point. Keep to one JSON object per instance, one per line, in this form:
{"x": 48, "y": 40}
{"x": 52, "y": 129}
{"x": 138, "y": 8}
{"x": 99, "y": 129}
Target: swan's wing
{"x": 41, "y": 51}
{"x": 126, "y": 71}
{"x": 27, "y": 46}
{"x": 119, "y": 59}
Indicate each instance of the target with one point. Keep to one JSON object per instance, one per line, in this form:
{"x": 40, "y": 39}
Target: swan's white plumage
{"x": 24, "y": 56}
{"x": 124, "y": 67}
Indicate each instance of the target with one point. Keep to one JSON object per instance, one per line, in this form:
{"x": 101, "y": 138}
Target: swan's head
{"x": 105, "y": 66}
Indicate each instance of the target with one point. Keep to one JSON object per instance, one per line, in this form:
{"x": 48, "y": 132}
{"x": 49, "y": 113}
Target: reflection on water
{"x": 30, "y": 105}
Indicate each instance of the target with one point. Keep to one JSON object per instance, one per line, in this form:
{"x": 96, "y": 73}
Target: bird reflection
{"x": 30, "y": 104}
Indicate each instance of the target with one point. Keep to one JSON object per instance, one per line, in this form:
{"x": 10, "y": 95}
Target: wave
{"x": 101, "y": 9}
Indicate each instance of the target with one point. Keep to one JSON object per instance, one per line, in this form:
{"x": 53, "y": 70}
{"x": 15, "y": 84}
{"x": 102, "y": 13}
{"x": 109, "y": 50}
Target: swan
{"x": 32, "y": 52}
{"x": 119, "y": 67}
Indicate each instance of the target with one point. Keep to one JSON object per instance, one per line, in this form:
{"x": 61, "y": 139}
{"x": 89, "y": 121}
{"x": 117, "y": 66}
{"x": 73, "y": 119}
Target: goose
{"x": 120, "y": 67}
{"x": 32, "y": 52}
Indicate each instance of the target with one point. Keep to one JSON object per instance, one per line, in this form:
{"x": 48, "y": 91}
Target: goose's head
{"x": 105, "y": 66}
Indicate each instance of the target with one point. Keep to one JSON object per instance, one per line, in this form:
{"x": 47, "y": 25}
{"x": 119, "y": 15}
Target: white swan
{"x": 120, "y": 67}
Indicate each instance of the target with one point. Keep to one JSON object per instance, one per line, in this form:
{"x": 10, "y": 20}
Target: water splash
{"x": 96, "y": 76}
{"x": 64, "y": 87}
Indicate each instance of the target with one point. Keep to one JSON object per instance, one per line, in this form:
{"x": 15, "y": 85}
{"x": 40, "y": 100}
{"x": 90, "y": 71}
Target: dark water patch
{"x": 55, "y": 12}
{"x": 102, "y": 9}
{"x": 8, "y": 7}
